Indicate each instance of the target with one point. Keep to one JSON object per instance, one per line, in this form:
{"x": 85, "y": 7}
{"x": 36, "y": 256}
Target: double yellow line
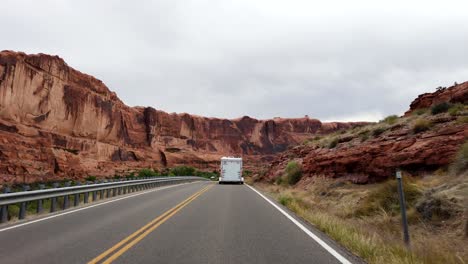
{"x": 124, "y": 245}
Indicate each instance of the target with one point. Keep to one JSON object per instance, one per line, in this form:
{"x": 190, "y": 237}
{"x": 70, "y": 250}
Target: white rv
{"x": 231, "y": 170}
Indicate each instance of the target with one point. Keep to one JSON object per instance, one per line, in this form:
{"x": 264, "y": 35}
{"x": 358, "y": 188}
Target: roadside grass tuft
{"x": 386, "y": 198}
{"x": 293, "y": 172}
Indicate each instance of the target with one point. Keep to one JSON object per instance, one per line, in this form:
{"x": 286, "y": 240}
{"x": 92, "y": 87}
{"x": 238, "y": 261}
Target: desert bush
{"x": 392, "y": 119}
{"x": 440, "y": 108}
{"x": 279, "y": 181}
{"x": 285, "y": 200}
{"x": 421, "y": 125}
{"x": 378, "y": 131}
{"x": 147, "y": 173}
{"x": 462, "y": 120}
{"x": 90, "y": 178}
{"x": 420, "y": 111}
{"x": 293, "y": 172}
{"x": 460, "y": 163}
{"x": 205, "y": 174}
{"x": 456, "y": 109}
{"x": 182, "y": 171}
{"x": 334, "y": 143}
{"x": 364, "y": 135}
{"x": 437, "y": 207}
{"x": 386, "y": 198}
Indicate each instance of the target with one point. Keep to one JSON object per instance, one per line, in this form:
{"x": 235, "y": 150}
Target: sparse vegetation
{"x": 440, "y": 108}
{"x": 333, "y": 143}
{"x": 90, "y": 178}
{"x": 364, "y": 135}
{"x": 460, "y": 163}
{"x": 420, "y": 111}
{"x": 421, "y": 125}
{"x": 386, "y": 198}
{"x": 148, "y": 173}
{"x": 392, "y": 119}
{"x": 456, "y": 109}
{"x": 462, "y": 120}
{"x": 378, "y": 131}
{"x": 293, "y": 172}
{"x": 366, "y": 219}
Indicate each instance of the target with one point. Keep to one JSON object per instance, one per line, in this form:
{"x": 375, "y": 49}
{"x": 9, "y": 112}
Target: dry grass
{"x": 376, "y": 237}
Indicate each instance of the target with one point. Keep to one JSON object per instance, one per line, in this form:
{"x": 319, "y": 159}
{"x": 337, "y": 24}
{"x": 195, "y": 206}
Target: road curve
{"x": 189, "y": 223}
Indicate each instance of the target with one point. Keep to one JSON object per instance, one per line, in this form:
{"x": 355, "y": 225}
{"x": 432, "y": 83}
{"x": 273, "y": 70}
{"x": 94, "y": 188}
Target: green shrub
{"x": 440, "y": 108}
{"x": 279, "y": 181}
{"x": 285, "y": 200}
{"x": 334, "y": 143}
{"x": 293, "y": 172}
{"x": 147, "y": 173}
{"x": 205, "y": 174}
{"x": 420, "y": 111}
{"x": 460, "y": 163}
{"x": 462, "y": 120}
{"x": 90, "y": 178}
{"x": 392, "y": 119}
{"x": 364, "y": 135}
{"x": 378, "y": 131}
{"x": 183, "y": 171}
{"x": 421, "y": 125}
{"x": 456, "y": 109}
{"x": 386, "y": 198}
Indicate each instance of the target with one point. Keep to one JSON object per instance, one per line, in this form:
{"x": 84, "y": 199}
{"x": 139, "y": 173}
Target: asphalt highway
{"x": 189, "y": 223}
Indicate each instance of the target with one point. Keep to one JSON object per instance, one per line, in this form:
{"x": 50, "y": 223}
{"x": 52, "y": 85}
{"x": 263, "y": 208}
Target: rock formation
{"x": 366, "y": 156}
{"x": 57, "y": 122}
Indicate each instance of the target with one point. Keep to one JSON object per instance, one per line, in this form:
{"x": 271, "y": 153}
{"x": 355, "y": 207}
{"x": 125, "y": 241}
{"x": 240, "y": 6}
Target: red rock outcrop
{"x": 57, "y": 122}
{"x": 455, "y": 94}
{"x": 363, "y": 160}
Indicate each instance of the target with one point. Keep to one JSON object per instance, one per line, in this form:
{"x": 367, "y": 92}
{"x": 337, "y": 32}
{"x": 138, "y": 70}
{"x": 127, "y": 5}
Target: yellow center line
{"x": 149, "y": 227}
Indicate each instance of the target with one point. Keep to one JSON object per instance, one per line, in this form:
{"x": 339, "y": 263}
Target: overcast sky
{"x": 333, "y": 60}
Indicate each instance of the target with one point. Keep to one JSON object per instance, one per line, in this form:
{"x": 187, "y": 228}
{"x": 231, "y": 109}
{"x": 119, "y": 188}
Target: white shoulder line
{"x": 307, "y": 231}
{"x": 87, "y": 207}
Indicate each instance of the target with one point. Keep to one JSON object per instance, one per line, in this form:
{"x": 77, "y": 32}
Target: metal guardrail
{"x": 104, "y": 190}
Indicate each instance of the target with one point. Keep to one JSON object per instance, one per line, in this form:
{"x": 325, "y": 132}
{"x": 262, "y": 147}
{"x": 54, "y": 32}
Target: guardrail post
{"x": 403, "y": 209}
{"x": 86, "y": 197}
{"x": 66, "y": 201}
{"x": 108, "y": 193}
{"x": 76, "y": 197}
{"x": 53, "y": 200}
{"x": 40, "y": 202}
{"x": 22, "y": 212}
{"x": 4, "y": 209}
{"x": 101, "y": 194}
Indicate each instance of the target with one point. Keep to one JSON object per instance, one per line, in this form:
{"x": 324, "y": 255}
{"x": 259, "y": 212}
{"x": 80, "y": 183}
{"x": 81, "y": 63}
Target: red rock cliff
{"x": 58, "y": 122}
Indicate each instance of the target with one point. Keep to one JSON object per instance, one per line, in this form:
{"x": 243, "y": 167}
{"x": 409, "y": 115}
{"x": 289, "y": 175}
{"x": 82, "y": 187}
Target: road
{"x": 190, "y": 223}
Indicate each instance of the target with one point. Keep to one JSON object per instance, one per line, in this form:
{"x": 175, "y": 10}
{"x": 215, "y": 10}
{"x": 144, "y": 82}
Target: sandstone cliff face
{"x": 362, "y": 157}
{"x": 57, "y": 122}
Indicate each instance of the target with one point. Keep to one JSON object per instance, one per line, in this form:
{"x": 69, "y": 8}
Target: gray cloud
{"x": 334, "y": 61}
